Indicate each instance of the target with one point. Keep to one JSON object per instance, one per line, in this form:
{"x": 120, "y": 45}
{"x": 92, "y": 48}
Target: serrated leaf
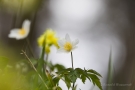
{"x": 64, "y": 71}
{"x": 83, "y": 78}
{"x": 68, "y": 82}
{"x": 56, "y": 80}
{"x": 73, "y": 75}
{"x": 77, "y": 74}
{"x": 94, "y": 72}
{"x": 82, "y": 72}
{"x": 95, "y": 80}
{"x": 73, "y": 78}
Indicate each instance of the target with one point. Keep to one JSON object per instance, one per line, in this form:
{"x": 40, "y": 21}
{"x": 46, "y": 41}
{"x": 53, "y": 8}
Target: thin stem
{"x": 72, "y": 68}
{"x": 72, "y": 60}
{"x": 30, "y": 47}
{"x": 35, "y": 69}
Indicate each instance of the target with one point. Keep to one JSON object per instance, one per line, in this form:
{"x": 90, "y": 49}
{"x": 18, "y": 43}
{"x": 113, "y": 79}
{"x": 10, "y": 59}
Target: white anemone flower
{"x": 22, "y": 32}
{"x": 66, "y": 45}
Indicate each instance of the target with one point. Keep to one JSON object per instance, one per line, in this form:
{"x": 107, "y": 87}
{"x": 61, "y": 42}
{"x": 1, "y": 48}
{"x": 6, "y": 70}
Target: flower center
{"x": 22, "y": 31}
{"x": 68, "y": 46}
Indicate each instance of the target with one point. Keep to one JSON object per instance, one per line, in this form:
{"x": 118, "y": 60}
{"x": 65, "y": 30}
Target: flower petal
{"x": 67, "y": 38}
{"x": 74, "y": 43}
{"x": 16, "y": 30}
{"x": 26, "y": 25}
{"x": 60, "y": 50}
{"x": 14, "y": 34}
{"x": 61, "y": 42}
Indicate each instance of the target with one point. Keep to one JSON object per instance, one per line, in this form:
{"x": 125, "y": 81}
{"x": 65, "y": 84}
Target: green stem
{"x": 41, "y": 66}
{"x": 47, "y": 55}
{"x": 72, "y": 60}
{"x": 35, "y": 69}
{"x": 72, "y": 68}
{"x": 30, "y": 47}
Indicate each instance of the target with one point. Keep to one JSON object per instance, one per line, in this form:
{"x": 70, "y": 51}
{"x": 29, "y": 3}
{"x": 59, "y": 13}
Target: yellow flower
{"x": 66, "y": 45}
{"x": 51, "y": 39}
{"x": 47, "y": 49}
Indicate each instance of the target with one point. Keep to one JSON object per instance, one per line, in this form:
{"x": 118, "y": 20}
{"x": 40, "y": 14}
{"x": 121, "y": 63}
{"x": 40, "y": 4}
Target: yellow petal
{"x": 47, "y": 49}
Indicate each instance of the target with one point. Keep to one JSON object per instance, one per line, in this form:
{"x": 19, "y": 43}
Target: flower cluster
{"x": 49, "y": 37}
{"x": 45, "y": 69}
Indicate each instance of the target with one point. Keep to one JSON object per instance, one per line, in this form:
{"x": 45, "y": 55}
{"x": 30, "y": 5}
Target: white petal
{"x": 61, "y": 42}
{"x": 26, "y": 25}
{"x": 67, "y": 38}
{"x": 14, "y": 34}
{"x": 74, "y": 43}
{"x": 18, "y": 37}
{"x": 60, "y": 50}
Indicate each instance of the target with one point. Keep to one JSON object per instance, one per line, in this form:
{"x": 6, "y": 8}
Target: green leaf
{"x": 64, "y": 71}
{"x": 95, "y": 80}
{"x": 52, "y": 67}
{"x": 3, "y": 62}
{"x": 67, "y": 81}
{"x": 72, "y": 75}
{"x": 94, "y": 72}
{"x": 89, "y": 74}
{"x": 59, "y": 67}
{"x": 75, "y": 88}
{"x": 73, "y": 78}
{"x": 58, "y": 88}
{"x": 56, "y": 80}
{"x": 82, "y": 72}
{"x": 110, "y": 70}
{"x": 83, "y": 78}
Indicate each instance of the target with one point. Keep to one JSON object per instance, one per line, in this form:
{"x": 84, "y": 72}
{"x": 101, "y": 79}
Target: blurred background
{"x": 98, "y": 24}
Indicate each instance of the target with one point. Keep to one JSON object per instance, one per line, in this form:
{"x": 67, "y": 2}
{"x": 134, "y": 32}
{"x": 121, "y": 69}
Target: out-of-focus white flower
{"x": 66, "y": 45}
{"x": 22, "y": 32}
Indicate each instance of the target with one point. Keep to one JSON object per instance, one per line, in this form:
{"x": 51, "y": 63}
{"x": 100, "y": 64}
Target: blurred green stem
{"x": 29, "y": 46}
{"x": 110, "y": 71}
{"x": 47, "y": 55}
{"x": 41, "y": 65}
{"x": 35, "y": 69}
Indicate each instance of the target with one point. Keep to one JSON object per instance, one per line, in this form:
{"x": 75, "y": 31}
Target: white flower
{"x": 66, "y": 45}
{"x": 22, "y": 32}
